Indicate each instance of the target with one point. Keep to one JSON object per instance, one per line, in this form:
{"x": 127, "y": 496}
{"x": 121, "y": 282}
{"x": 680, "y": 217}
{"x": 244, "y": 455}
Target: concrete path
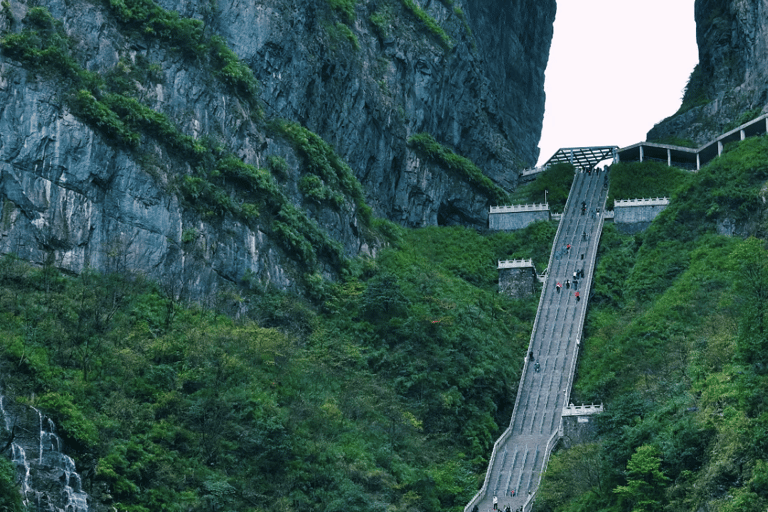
{"x": 523, "y": 450}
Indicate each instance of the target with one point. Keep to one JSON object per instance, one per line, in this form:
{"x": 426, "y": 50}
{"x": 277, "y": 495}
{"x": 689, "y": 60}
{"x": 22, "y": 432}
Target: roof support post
{"x": 669, "y": 157}
{"x": 698, "y": 161}
{"x": 719, "y": 147}
{"x": 642, "y": 153}
{"x": 743, "y": 135}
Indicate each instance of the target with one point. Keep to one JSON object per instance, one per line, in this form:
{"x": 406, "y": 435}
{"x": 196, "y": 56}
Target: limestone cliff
{"x": 730, "y": 84}
{"x": 132, "y": 137}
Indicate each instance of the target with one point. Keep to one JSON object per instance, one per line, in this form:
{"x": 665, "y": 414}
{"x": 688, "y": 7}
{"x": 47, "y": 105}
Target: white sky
{"x": 616, "y": 68}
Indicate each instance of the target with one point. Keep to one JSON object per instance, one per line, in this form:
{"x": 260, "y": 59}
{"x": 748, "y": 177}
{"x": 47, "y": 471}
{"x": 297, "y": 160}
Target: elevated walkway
{"x": 520, "y": 455}
{"x": 692, "y": 158}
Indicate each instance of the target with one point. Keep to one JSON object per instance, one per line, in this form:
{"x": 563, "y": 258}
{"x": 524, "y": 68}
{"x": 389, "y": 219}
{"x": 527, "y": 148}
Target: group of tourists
{"x": 496, "y": 505}
{"x": 578, "y": 274}
{"x": 589, "y": 170}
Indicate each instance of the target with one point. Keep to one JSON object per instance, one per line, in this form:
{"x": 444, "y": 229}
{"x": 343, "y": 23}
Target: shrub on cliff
{"x": 425, "y": 144}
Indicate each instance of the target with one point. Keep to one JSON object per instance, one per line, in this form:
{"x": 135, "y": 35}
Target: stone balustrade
{"x": 520, "y": 208}
{"x": 654, "y": 201}
{"x": 515, "y": 264}
{"x": 582, "y": 410}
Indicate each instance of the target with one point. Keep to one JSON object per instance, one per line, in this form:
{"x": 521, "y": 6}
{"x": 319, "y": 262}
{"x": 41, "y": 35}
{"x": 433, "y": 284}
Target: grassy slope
{"x": 675, "y": 348}
{"x": 386, "y": 395}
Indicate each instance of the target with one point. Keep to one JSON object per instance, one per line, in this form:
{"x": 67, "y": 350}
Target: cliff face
{"x": 92, "y": 178}
{"x": 730, "y": 84}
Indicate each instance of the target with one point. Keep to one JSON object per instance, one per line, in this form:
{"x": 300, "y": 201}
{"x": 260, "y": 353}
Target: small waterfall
{"x": 20, "y": 459}
{"x": 47, "y": 479}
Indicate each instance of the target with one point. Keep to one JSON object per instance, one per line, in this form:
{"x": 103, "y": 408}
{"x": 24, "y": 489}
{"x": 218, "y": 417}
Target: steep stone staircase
{"x": 521, "y": 453}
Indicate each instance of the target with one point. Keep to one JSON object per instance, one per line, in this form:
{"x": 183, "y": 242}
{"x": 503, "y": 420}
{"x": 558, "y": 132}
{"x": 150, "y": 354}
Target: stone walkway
{"x": 523, "y": 450}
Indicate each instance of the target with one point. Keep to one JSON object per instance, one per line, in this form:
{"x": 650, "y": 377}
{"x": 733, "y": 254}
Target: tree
{"x": 645, "y": 481}
{"x": 750, "y": 261}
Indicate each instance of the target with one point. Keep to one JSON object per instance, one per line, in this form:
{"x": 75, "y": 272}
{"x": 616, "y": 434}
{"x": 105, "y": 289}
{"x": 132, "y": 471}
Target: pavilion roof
{"x": 580, "y": 157}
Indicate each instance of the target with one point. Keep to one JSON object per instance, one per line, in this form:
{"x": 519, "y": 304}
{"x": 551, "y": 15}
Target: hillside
{"x": 385, "y": 395}
{"x": 675, "y": 348}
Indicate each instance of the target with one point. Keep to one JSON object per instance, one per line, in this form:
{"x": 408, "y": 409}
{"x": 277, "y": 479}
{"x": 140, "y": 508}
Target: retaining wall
{"x": 512, "y": 218}
{"x": 635, "y": 215}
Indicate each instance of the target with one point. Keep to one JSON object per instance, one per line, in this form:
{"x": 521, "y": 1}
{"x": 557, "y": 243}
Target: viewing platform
{"x": 692, "y": 158}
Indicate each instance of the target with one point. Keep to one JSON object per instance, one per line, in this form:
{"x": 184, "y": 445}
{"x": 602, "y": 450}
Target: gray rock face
{"x": 69, "y": 195}
{"x": 732, "y": 75}
{"x": 47, "y": 476}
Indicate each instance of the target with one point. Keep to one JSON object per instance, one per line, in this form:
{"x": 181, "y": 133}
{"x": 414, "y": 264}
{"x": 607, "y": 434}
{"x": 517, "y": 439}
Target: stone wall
{"x": 578, "y": 430}
{"x": 512, "y": 218}
{"x": 636, "y": 215}
{"x": 517, "y": 282}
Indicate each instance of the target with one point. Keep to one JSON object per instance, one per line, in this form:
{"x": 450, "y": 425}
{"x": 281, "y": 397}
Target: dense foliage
{"x": 429, "y": 24}
{"x": 386, "y": 396}
{"x": 552, "y": 186}
{"x": 675, "y": 346}
{"x": 425, "y": 144}
{"x": 636, "y": 180}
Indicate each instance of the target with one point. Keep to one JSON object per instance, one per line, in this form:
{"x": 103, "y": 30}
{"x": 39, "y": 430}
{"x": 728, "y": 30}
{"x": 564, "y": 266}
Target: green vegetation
{"x": 231, "y": 70}
{"x": 5, "y": 8}
{"x": 386, "y": 397}
{"x": 636, "y": 180}
{"x": 321, "y": 160}
{"x": 187, "y": 35}
{"x": 149, "y": 18}
{"x": 10, "y": 497}
{"x": 44, "y": 47}
{"x": 108, "y": 122}
{"x": 339, "y": 32}
{"x": 220, "y": 184}
{"x": 744, "y": 118}
{"x": 429, "y": 23}
{"x": 675, "y": 347}
{"x": 346, "y": 8}
{"x": 556, "y": 181}
{"x": 156, "y": 124}
{"x": 382, "y": 19}
{"x": 696, "y": 93}
{"x": 425, "y": 144}
{"x": 236, "y": 188}
{"x": 463, "y": 17}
